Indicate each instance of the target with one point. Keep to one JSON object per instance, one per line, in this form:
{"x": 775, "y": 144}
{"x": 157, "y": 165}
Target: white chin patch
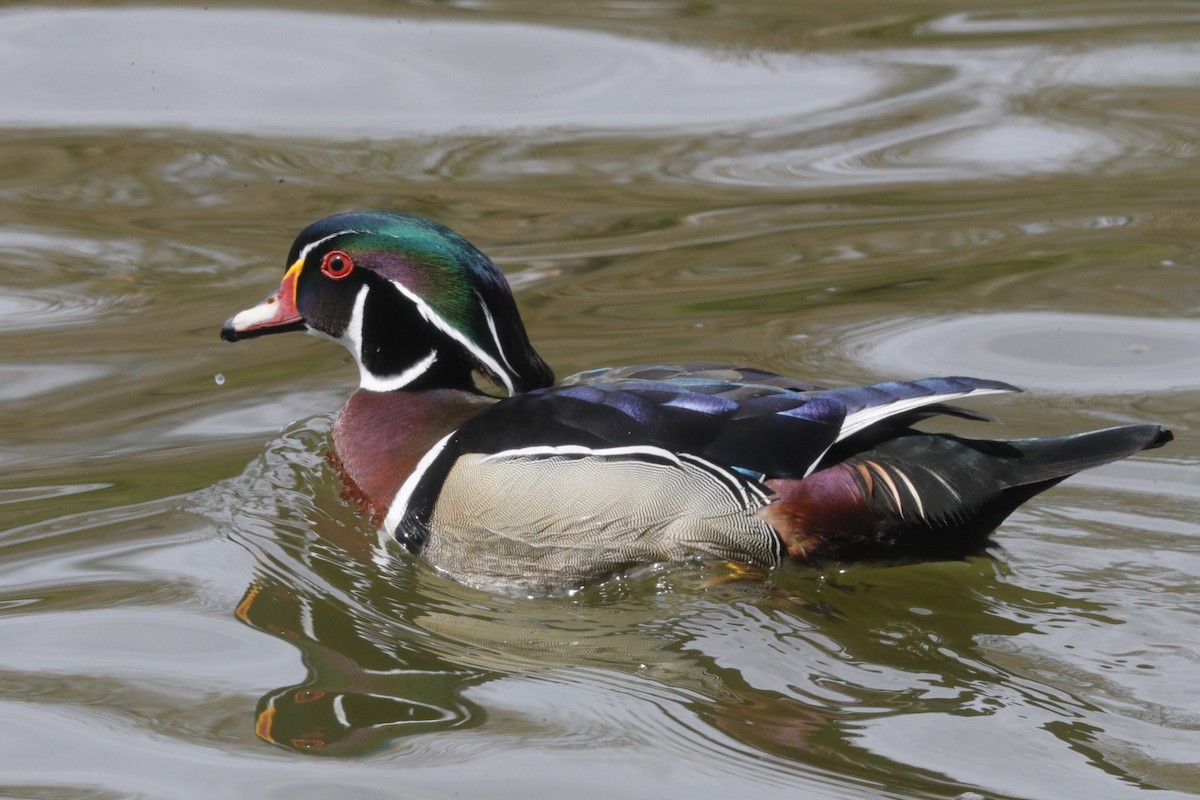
{"x": 353, "y": 341}
{"x": 389, "y": 383}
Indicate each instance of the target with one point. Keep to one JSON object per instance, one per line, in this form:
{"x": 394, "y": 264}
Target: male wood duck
{"x": 559, "y": 484}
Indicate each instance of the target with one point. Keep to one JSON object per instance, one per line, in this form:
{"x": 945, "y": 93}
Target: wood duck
{"x": 559, "y": 484}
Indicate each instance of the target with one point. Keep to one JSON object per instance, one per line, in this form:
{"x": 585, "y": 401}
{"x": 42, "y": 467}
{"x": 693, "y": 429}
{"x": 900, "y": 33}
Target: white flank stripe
{"x": 729, "y": 478}
{"x": 869, "y": 416}
{"x": 580, "y": 450}
{"x": 399, "y": 504}
{"x": 428, "y": 313}
{"x": 740, "y": 488}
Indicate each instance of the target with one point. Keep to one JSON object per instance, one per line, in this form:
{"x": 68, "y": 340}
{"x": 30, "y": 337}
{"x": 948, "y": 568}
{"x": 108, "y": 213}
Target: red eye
{"x": 336, "y": 265}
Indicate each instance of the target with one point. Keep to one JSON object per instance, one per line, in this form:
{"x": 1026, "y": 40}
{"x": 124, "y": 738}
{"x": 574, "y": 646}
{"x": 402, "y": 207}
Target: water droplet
{"x": 220, "y": 378}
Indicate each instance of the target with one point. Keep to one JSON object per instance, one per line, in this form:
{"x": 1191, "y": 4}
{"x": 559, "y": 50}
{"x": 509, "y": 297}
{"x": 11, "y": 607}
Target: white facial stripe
{"x": 505, "y": 373}
{"x": 308, "y": 248}
{"x": 491, "y": 323}
{"x": 353, "y": 340}
{"x": 428, "y": 313}
{"x": 399, "y": 504}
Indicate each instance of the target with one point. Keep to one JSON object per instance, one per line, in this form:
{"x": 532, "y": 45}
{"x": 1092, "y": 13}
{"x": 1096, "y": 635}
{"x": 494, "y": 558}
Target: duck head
{"x": 417, "y": 305}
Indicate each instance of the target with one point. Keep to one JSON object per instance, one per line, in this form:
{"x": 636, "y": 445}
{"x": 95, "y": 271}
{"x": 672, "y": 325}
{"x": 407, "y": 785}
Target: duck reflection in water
{"x": 379, "y": 671}
{"x": 358, "y": 696}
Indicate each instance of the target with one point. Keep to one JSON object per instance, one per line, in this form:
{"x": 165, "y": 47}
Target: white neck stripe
{"x": 389, "y": 383}
{"x": 436, "y": 320}
{"x": 353, "y": 340}
{"x": 491, "y": 323}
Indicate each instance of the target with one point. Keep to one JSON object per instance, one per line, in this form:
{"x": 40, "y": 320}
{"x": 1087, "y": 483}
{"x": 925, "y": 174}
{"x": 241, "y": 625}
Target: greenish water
{"x": 844, "y": 193}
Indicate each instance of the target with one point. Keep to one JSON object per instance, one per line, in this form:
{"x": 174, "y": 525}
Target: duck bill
{"x": 276, "y": 314}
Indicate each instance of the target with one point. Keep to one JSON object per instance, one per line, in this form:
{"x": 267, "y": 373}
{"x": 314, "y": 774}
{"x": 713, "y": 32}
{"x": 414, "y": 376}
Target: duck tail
{"x": 1053, "y": 459}
{"x": 934, "y": 495}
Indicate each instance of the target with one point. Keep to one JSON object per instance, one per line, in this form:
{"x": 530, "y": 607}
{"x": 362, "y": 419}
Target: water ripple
{"x": 261, "y": 71}
{"x": 991, "y": 23}
{"x": 1068, "y": 353}
{"x": 866, "y": 116}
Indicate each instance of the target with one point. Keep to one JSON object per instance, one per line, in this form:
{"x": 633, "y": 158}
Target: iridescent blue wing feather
{"x": 759, "y": 429}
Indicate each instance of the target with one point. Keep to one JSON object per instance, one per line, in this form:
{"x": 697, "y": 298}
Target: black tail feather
{"x": 1040, "y": 460}
{"x": 923, "y": 495}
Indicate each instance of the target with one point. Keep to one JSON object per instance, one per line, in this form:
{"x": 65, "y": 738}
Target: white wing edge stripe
{"x": 367, "y": 379}
{"x": 816, "y": 461}
{"x": 436, "y": 320}
{"x": 400, "y": 502}
{"x": 869, "y": 416}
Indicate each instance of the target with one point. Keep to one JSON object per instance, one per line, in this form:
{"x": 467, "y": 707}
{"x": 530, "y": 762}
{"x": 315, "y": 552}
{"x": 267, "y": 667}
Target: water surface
{"x": 852, "y": 193}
